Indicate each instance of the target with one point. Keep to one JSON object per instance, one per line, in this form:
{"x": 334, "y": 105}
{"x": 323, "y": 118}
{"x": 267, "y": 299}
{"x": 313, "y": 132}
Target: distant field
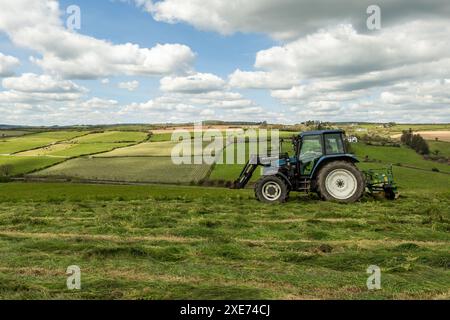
{"x": 158, "y": 149}
{"x": 443, "y": 135}
{"x": 44, "y": 151}
{"x": 168, "y": 136}
{"x": 152, "y": 149}
{"x": 402, "y": 155}
{"x": 161, "y": 137}
{"x": 149, "y": 169}
{"x": 442, "y": 146}
{"x": 111, "y": 137}
{"x": 13, "y": 145}
{"x": 23, "y": 165}
{"x": 421, "y": 127}
{"x": 73, "y": 150}
{"x": 12, "y": 133}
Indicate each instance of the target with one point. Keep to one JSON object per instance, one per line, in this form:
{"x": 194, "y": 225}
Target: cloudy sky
{"x": 142, "y": 61}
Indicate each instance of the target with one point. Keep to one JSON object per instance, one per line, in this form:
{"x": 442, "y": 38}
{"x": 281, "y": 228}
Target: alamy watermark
{"x": 73, "y": 21}
{"x": 206, "y": 146}
{"x": 74, "y": 277}
{"x": 374, "y": 280}
{"x": 374, "y": 20}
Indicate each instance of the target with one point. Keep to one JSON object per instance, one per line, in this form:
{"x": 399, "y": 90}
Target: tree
{"x": 415, "y": 141}
{"x": 406, "y": 137}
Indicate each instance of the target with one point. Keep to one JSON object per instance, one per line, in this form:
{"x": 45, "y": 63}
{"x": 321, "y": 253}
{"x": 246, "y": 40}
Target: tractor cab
{"x": 315, "y": 146}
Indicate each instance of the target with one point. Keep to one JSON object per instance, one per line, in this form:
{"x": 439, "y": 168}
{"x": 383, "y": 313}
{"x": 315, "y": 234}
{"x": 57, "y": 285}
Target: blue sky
{"x": 192, "y": 60}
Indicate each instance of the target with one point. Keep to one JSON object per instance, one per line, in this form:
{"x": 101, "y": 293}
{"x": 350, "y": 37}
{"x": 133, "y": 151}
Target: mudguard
{"x": 324, "y": 159}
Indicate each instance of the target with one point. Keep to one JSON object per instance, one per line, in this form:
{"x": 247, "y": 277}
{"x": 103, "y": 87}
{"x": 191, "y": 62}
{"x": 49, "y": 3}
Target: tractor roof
{"x": 319, "y": 132}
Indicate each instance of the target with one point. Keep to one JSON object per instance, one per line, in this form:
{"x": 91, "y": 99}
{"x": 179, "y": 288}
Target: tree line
{"x": 416, "y": 142}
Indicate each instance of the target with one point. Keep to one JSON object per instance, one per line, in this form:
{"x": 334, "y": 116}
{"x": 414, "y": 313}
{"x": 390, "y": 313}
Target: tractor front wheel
{"x": 271, "y": 189}
{"x": 340, "y": 181}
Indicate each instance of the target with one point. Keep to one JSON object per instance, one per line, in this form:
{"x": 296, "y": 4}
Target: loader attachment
{"x": 381, "y": 181}
{"x": 247, "y": 172}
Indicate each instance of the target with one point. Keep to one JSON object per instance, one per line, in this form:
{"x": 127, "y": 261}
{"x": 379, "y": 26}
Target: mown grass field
{"x": 127, "y": 169}
{"x": 163, "y": 242}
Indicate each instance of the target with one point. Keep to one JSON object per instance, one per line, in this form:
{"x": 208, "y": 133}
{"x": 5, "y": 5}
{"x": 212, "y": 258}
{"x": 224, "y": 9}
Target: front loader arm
{"x": 247, "y": 172}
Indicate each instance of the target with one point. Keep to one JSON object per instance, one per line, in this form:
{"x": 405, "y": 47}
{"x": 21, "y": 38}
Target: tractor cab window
{"x": 311, "y": 151}
{"x": 334, "y": 143}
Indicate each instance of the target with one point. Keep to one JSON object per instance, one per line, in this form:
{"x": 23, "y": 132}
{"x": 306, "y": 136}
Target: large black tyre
{"x": 340, "y": 181}
{"x": 271, "y": 189}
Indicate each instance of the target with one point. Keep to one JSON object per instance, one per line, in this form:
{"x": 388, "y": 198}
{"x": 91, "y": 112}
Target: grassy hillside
{"x": 442, "y": 146}
{"x": 402, "y": 155}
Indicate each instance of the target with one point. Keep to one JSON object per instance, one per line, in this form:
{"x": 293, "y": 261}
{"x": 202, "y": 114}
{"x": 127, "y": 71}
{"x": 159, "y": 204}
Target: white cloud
{"x": 339, "y": 68}
{"x": 7, "y": 65}
{"x": 37, "y": 25}
{"x": 182, "y": 107}
{"x": 98, "y": 103}
{"x": 197, "y": 83}
{"x": 261, "y": 80}
{"x": 288, "y": 19}
{"x": 130, "y": 85}
{"x": 33, "y": 88}
{"x": 104, "y": 81}
{"x": 30, "y": 82}
{"x": 342, "y": 51}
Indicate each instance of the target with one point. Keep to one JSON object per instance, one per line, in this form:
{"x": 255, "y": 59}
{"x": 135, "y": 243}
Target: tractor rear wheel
{"x": 340, "y": 181}
{"x": 271, "y": 189}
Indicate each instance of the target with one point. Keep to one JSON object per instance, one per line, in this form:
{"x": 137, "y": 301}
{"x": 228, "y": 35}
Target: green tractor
{"x": 321, "y": 164}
